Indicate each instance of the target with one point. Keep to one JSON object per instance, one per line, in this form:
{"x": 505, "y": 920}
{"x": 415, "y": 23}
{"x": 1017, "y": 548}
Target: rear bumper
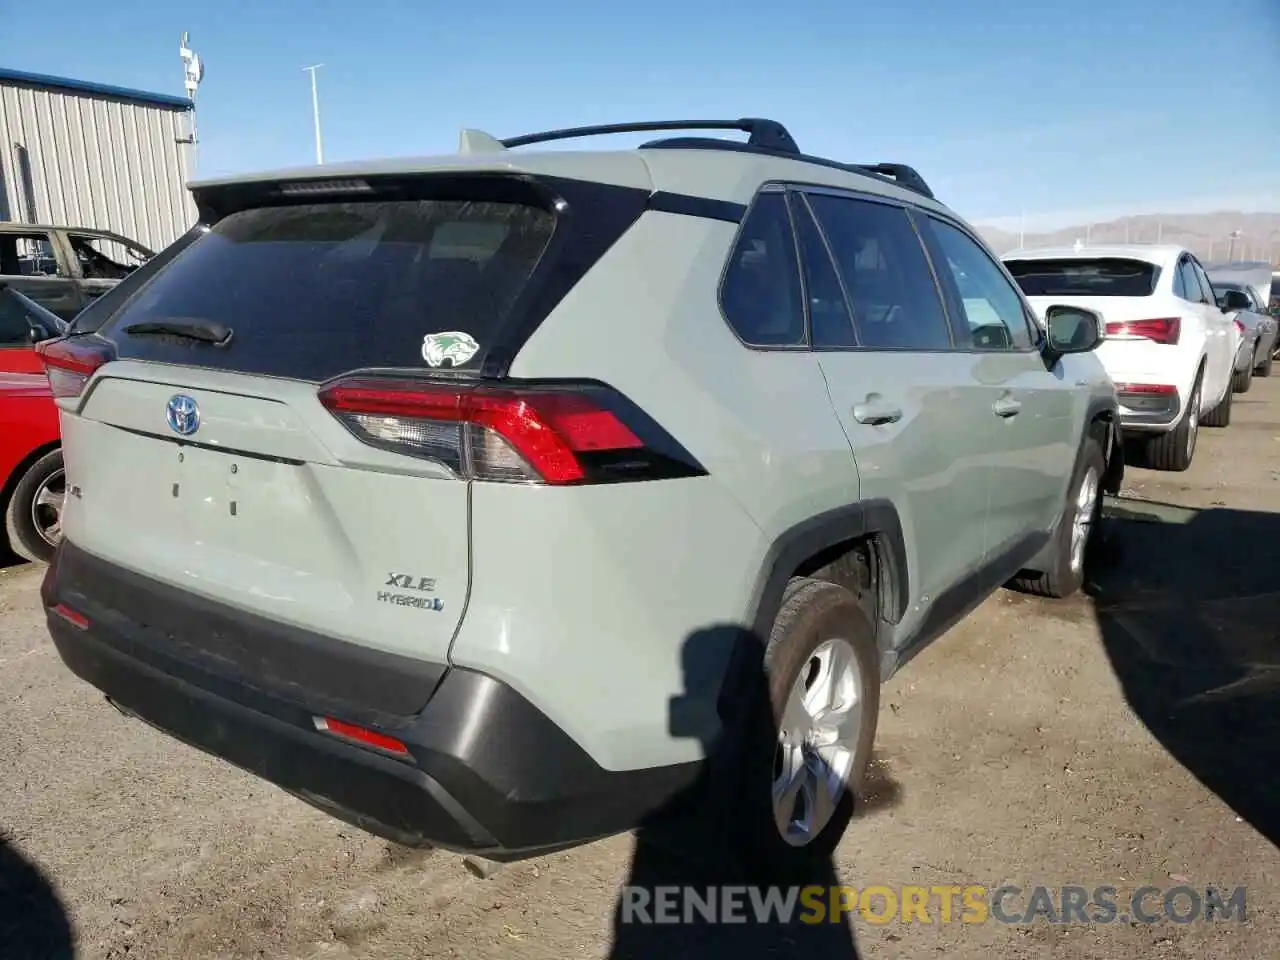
{"x": 486, "y": 773}
{"x": 1146, "y": 411}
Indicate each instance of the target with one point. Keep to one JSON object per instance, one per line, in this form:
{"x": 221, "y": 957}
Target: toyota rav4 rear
{"x": 297, "y": 461}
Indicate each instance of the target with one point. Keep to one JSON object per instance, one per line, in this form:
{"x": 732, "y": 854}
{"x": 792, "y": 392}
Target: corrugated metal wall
{"x": 90, "y": 161}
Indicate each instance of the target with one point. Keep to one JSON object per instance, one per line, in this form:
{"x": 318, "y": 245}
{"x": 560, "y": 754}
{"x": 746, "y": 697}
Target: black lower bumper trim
{"x": 489, "y": 773}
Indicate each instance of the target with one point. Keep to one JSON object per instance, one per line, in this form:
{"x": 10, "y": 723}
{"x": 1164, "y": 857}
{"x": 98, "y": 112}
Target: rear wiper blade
{"x": 206, "y": 331}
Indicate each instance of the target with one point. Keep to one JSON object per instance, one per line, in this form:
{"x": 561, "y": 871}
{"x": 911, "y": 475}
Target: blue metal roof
{"x": 44, "y": 82}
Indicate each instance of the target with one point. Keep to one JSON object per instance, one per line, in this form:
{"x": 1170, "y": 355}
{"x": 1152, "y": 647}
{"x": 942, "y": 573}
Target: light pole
{"x": 1231, "y": 249}
{"x": 315, "y": 109}
{"x": 193, "y": 74}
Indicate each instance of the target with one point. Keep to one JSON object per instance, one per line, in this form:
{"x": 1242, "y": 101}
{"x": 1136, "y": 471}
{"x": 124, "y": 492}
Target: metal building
{"x": 87, "y": 155}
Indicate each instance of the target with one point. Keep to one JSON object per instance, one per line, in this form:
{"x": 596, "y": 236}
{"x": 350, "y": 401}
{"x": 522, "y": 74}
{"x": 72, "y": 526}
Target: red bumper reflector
{"x": 369, "y": 738}
{"x": 1156, "y": 388}
{"x": 75, "y": 619}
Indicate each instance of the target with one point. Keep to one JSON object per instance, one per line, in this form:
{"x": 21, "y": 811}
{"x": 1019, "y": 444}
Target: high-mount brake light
{"x": 562, "y": 434}
{"x": 70, "y": 362}
{"x": 1165, "y": 330}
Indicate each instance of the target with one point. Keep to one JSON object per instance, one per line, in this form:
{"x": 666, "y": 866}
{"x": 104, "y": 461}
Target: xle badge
{"x": 455, "y": 346}
{"x": 419, "y": 586}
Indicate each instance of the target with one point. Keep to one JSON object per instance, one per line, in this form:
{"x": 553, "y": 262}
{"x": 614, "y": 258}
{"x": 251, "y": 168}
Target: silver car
{"x": 1258, "y": 331}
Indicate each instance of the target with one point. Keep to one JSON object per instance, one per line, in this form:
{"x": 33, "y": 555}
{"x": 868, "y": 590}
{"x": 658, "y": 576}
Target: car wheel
{"x": 1264, "y": 368}
{"x": 806, "y": 755}
{"x": 33, "y": 516}
{"x": 1220, "y": 416}
{"x": 1076, "y": 533}
{"x": 1242, "y": 380}
{"x": 1174, "y": 450}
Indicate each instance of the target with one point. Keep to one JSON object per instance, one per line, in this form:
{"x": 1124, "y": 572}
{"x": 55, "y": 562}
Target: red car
{"x": 32, "y": 485}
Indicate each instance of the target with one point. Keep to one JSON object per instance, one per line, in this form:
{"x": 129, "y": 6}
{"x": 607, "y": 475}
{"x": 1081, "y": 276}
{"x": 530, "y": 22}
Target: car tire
{"x": 1174, "y": 451}
{"x": 1264, "y": 368}
{"x": 34, "y": 510}
{"x": 821, "y": 638}
{"x": 1077, "y": 534}
{"x": 1220, "y": 416}
{"x": 1242, "y": 380}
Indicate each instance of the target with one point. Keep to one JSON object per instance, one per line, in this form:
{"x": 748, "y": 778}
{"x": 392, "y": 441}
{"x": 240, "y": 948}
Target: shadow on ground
{"x": 695, "y": 841}
{"x": 1189, "y": 610}
{"x": 33, "y": 922}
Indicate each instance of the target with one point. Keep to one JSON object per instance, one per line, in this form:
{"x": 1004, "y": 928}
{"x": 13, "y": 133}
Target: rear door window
{"x": 896, "y": 303}
{"x": 1190, "y": 282}
{"x": 314, "y": 290}
{"x": 1085, "y": 277}
{"x": 830, "y": 324}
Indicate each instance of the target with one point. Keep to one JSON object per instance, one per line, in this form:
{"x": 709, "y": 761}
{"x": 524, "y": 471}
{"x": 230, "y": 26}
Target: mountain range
{"x": 1207, "y": 235}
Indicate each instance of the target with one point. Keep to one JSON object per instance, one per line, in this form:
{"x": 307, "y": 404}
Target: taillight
{"x": 1156, "y": 389}
{"x": 1162, "y": 330}
{"x": 560, "y": 434}
{"x": 71, "y": 361}
{"x": 1239, "y": 325}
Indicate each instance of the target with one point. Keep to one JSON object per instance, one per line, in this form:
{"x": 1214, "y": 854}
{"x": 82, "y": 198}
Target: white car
{"x": 1169, "y": 348}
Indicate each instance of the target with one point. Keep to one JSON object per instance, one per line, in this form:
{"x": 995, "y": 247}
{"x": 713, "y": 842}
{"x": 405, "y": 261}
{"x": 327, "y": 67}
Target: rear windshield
{"x": 311, "y": 291}
{"x": 1101, "y": 277}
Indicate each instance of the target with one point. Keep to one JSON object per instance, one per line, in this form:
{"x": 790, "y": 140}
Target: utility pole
{"x": 1231, "y": 250}
{"x": 193, "y": 74}
{"x": 315, "y": 109}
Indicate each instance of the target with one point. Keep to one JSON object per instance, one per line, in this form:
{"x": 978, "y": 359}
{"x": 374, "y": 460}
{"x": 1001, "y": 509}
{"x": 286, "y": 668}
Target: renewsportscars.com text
{"x": 940, "y": 903}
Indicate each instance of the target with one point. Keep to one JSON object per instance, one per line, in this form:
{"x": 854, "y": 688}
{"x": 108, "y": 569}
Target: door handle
{"x": 876, "y": 413}
{"x": 1006, "y": 407}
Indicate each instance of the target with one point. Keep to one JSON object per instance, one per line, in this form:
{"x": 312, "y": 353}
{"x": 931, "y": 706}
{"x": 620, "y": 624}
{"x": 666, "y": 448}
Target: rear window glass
{"x": 314, "y": 290}
{"x": 1101, "y": 277}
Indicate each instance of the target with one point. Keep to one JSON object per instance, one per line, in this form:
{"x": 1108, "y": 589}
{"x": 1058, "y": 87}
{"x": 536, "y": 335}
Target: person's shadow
{"x": 33, "y": 922}
{"x": 692, "y": 844}
{"x": 1189, "y": 611}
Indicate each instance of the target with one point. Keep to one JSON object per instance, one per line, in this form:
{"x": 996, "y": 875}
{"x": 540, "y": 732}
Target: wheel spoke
{"x": 827, "y": 771}
{"x": 788, "y": 786}
{"x": 47, "y": 498}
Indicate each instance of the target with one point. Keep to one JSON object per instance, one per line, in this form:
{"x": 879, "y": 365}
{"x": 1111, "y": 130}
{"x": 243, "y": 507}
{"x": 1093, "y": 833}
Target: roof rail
{"x": 904, "y": 175}
{"x": 898, "y": 174}
{"x": 765, "y": 134}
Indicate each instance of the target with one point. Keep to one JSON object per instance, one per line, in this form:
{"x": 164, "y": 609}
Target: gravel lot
{"x": 1124, "y": 738}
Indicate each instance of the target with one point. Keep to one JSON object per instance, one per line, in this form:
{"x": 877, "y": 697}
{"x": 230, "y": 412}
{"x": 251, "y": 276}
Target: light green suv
{"x": 479, "y": 499}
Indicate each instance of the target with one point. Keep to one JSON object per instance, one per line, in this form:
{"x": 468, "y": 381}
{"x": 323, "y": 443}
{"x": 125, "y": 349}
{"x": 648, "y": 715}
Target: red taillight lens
{"x": 1161, "y": 330}
{"x": 1239, "y": 325}
{"x": 1158, "y": 389}
{"x": 70, "y": 362}
{"x": 361, "y": 735}
{"x": 557, "y": 435}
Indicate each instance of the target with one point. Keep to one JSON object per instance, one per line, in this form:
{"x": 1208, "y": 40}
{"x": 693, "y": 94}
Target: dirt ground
{"x": 1130, "y": 736}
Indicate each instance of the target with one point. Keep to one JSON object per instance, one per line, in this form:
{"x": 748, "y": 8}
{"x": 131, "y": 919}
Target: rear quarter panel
{"x": 602, "y": 604}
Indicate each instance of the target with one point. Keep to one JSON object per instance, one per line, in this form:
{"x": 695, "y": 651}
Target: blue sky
{"x": 1059, "y": 108}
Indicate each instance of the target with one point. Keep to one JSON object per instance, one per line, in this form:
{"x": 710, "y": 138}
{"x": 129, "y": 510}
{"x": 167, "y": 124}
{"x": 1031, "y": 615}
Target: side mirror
{"x": 39, "y": 333}
{"x": 1072, "y": 330}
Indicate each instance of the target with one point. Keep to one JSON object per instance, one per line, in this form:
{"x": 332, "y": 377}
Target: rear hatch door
{"x": 214, "y": 467}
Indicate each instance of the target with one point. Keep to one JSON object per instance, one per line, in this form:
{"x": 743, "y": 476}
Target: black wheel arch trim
{"x": 1107, "y": 410}
{"x": 878, "y": 518}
